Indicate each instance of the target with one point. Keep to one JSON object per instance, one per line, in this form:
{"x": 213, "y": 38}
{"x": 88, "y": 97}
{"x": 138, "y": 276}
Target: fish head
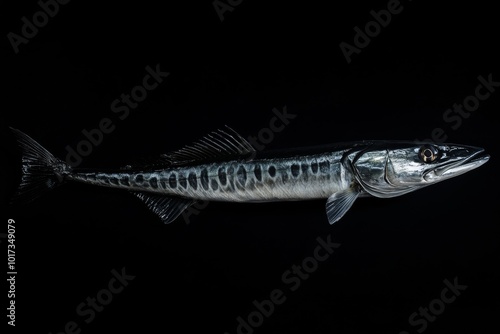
{"x": 389, "y": 170}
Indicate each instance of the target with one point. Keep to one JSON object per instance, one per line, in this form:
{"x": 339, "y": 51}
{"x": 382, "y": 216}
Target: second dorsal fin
{"x": 219, "y": 144}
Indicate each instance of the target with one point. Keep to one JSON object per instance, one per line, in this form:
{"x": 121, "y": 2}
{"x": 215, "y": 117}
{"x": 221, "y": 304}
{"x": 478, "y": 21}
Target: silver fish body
{"x": 223, "y": 166}
{"x": 260, "y": 180}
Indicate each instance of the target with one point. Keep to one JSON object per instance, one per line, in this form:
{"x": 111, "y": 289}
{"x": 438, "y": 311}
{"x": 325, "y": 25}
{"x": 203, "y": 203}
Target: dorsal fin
{"x": 222, "y": 143}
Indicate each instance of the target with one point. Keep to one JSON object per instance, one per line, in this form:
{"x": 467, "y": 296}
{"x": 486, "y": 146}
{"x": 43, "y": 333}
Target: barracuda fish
{"x": 223, "y": 166}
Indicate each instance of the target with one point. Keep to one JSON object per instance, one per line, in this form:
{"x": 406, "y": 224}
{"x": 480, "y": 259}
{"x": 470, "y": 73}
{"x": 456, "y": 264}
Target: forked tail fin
{"x": 41, "y": 171}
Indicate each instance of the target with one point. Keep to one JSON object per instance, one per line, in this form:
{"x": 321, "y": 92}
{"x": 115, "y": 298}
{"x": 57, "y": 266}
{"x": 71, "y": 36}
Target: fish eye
{"x": 428, "y": 153}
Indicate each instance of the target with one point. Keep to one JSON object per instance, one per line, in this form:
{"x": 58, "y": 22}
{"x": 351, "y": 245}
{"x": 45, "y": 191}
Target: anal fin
{"x": 166, "y": 208}
{"x": 340, "y": 202}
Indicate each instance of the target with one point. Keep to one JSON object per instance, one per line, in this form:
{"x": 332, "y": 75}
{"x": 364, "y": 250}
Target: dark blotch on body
{"x": 214, "y": 184}
{"x": 295, "y": 170}
{"x": 222, "y": 176}
{"x": 241, "y": 174}
{"x": 113, "y": 180}
{"x": 139, "y": 178}
{"x": 124, "y": 180}
{"x": 257, "y": 171}
{"x": 204, "y": 178}
{"x": 305, "y": 169}
{"x": 172, "y": 181}
{"x": 272, "y": 171}
{"x": 314, "y": 167}
{"x": 193, "y": 182}
{"x": 153, "y": 182}
{"x": 324, "y": 166}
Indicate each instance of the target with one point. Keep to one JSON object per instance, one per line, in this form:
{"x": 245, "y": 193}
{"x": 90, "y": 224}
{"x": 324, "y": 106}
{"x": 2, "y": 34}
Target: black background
{"x": 200, "y": 277}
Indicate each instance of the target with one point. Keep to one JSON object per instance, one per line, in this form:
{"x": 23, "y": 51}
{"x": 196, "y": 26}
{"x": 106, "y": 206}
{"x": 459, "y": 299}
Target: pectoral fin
{"x": 340, "y": 202}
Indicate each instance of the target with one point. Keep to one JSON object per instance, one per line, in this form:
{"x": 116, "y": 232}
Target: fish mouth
{"x": 460, "y": 167}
